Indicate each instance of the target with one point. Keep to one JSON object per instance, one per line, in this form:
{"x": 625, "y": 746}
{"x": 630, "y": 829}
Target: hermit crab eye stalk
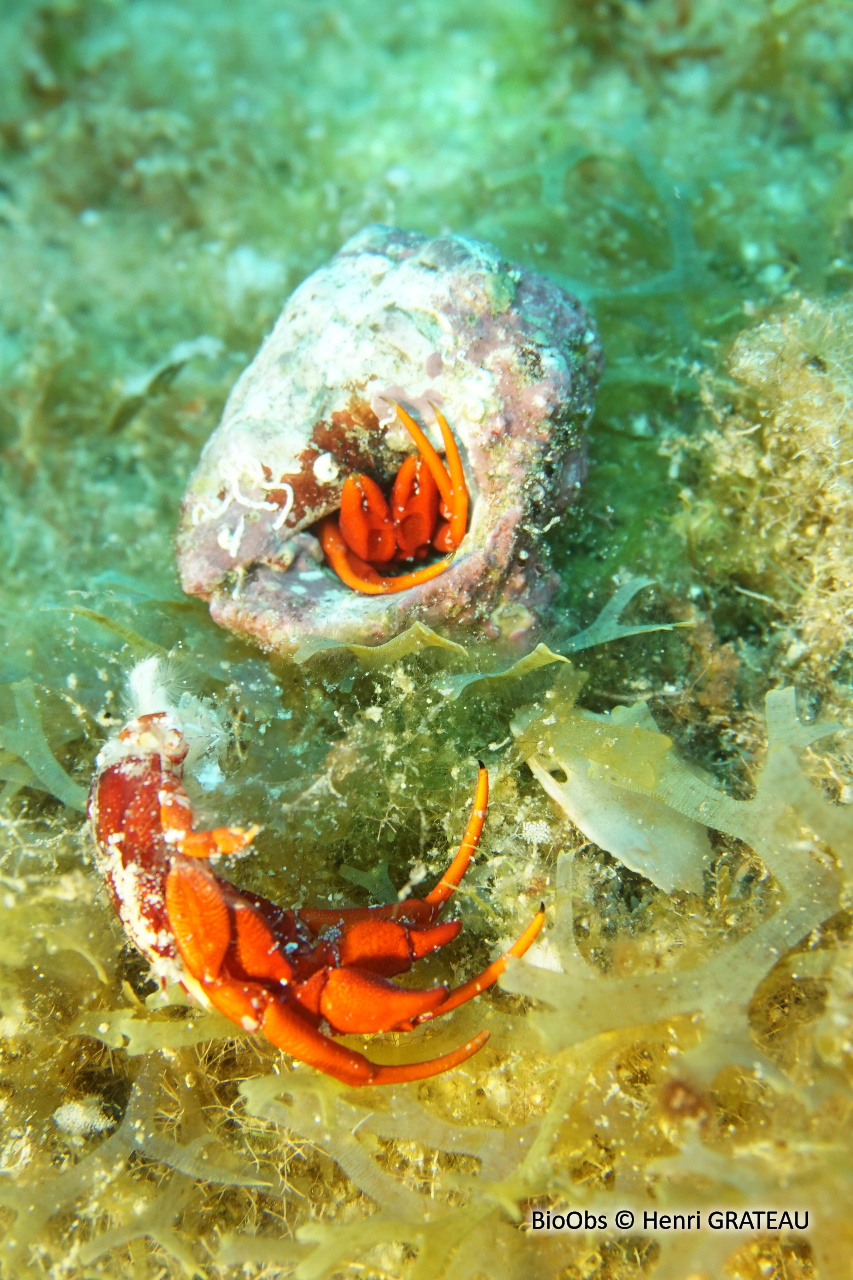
{"x": 428, "y": 511}
{"x": 157, "y": 733}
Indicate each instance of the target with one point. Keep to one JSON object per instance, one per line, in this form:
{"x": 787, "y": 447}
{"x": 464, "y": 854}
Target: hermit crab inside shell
{"x": 401, "y": 359}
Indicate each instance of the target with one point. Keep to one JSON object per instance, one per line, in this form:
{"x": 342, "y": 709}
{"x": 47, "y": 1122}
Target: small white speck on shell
{"x": 326, "y": 469}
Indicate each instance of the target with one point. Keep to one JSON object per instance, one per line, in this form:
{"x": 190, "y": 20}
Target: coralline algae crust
{"x": 511, "y": 359}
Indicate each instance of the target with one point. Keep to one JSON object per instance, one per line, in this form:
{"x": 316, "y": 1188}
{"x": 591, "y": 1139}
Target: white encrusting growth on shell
{"x": 229, "y": 539}
{"x": 232, "y": 475}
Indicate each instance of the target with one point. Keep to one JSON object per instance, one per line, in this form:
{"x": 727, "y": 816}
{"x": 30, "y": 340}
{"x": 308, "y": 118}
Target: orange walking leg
{"x": 289, "y": 1031}
{"x": 430, "y": 456}
{"x": 449, "y": 537}
{"x": 176, "y": 822}
{"x": 364, "y": 578}
{"x": 459, "y": 865}
{"x": 472, "y": 988}
{"x": 408, "y": 1071}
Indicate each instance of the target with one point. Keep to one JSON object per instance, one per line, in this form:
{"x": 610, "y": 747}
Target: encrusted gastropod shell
{"x": 511, "y": 360}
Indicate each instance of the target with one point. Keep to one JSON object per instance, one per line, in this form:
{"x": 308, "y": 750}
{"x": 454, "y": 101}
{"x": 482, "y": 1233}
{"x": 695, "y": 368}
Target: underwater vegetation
{"x": 681, "y": 1036}
{"x": 773, "y": 507}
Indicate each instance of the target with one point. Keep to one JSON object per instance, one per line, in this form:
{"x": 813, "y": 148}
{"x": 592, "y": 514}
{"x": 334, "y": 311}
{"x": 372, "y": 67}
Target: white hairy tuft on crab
{"x": 148, "y": 689}
{"x": 153, "y": 689}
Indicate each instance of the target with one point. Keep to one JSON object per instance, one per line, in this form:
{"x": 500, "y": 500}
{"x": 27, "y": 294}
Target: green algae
{"x": 168, "y": 172}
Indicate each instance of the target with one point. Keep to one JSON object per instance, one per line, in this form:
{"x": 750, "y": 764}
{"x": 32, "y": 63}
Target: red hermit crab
{"x": 289, "y": 974}
{"x": 368, "y": 535}
{"x": 395, "y": 318}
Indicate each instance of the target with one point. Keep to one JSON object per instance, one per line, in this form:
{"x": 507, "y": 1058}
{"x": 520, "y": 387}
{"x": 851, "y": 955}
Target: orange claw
{"x": 414, "y": 507}
{"x": 388, "y": 947}
{"x": 355, "y": 1000}
{"x": 365, "y": 521}
{"x": 362, "y": 577}
{"x": 367, "y": 534}
{"x": 199, "y": 919}
{"x": 255, "y": 946}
